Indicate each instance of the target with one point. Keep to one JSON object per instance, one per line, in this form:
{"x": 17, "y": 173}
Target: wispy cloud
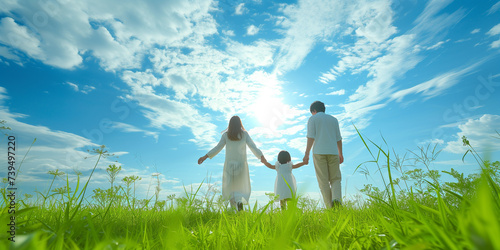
{"x": 432, "y": 142}
{"x": 338, "y": 92}
{"x": 254, "y": 55}
{"x": 493, "y": 32}
{"x": 372, "y": 24}
{"x": 228, "y": 32}
{"x": 387, "y": 58}
{"x": 73, "y": 86}
{"x": 50, "y": 149}
{"x": 300, "y": 23}
{"x": 132, "y": 129}
{"x": 85, "y": 89}
{"x": 437, "y": 45}
{"x": 165, "y": 112}
{"x": 494, "y": 8}
{"x": 437, "y": 85}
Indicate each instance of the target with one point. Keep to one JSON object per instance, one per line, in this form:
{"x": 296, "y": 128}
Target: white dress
{"x": 235, "y": 177}
{"x": 280, "y": 186}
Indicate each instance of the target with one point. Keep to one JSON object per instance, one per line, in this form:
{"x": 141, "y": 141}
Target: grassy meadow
{"x": 417, "y": 210}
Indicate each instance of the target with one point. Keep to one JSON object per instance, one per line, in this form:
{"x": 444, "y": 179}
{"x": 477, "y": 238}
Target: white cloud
{"x": 338, "y": 92}
{"x": 437, "y": 85}
{"x": 72, "y": 85}
{"x": 298, "y": 143}
{"x": 373, "y": 20}
{"x": 494, "y": 8}
{"x": 165, "y": 112}
{"x": 50, "y": 150}
{"x": 9, "y": 54}
{"x": 437, "y": 45}
{"x": 474, "y": 31}
{"x": 252, "y": 30}
{"x": 432, "y": 25}
{"x": 20, "y": 38}
{"x": 494, "y": 31}
{"x": 432, "y": 142}
{"x": 256, "y": 55}
{"x": 228, "y": 32}
{"x": 302, "y": 30}
{"x": 495, "y": 44}
{"x": 372, "y": 23}
{"x": 386, "y": 61}
{"x": 240, "y": 9}
{"x": 85, "y": 89}
{"x": 117, "y": 36}
{"x": 480, "y": 132}
{"x": 385, "y": 70}
{"x": 131, "y": 129}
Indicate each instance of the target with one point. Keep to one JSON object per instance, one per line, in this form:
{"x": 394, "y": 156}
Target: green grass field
{"x": 415, "y": 211}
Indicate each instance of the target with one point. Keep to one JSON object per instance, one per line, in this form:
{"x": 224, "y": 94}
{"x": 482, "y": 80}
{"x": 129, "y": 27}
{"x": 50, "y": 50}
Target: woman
{"x": 235, "y": 177}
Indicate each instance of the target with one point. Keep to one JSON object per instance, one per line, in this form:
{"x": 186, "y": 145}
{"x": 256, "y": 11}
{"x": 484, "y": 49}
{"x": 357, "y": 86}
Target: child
{"x": 284, "y": 168}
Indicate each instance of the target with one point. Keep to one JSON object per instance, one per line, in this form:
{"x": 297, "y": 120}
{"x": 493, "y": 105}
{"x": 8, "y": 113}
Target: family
{"x": 323, "y": 137}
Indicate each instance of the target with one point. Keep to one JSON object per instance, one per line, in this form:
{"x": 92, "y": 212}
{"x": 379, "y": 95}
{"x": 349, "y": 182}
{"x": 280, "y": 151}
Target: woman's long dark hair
{"x": 235, "y": 129}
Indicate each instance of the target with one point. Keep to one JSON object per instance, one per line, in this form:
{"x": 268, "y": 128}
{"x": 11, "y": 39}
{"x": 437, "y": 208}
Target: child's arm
{"x": 269, "y": 165}
{"x": 298, "y": 165}
{"x": 264, "y": 161}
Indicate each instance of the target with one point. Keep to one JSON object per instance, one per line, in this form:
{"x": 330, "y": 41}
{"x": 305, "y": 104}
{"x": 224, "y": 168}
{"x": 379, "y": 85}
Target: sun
{"x": 268, "y": 110}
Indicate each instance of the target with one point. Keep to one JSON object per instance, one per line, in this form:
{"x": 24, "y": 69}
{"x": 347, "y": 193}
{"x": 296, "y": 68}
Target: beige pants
{"x": 328, "y": 174}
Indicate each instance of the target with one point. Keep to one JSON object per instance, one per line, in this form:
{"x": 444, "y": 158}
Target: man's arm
{"x": 310, "y": 142}
{"x": 341, "y": 156}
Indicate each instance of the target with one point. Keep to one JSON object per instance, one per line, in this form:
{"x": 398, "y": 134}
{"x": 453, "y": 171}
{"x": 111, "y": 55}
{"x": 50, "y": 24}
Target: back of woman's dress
{"x": 235, "y": 177}
{"x": 280, "y": 186}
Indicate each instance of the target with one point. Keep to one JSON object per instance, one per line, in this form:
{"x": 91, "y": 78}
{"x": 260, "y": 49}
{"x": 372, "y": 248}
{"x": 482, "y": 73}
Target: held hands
{"x": 306, "y": 159}
{"x": 202, "y": 159}
{"x": 264, "y": 161}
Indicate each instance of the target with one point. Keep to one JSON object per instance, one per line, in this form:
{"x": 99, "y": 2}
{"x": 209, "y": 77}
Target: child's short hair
{"x": 284, "y": 157}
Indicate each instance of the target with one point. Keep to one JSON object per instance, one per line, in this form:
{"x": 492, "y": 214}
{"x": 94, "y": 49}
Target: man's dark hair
{"x": 284, "y": 157}
{"x": 317, "y": 106}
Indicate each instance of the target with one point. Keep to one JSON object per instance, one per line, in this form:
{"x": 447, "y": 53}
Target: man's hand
{"x": 306, "y": 159}
{"x": 341, "y": 159}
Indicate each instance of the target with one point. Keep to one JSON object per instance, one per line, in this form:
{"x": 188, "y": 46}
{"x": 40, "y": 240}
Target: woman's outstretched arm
{"x": 215, "y": 150}
{"x": 257, "y": 152}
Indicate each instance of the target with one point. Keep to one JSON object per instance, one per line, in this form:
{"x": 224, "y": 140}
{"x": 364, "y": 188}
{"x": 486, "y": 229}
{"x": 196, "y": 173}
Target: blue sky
{"x": 157, "y": 81}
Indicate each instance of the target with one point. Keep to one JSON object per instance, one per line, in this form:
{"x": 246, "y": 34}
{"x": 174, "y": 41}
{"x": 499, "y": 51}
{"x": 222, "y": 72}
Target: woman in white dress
{"x": 285, "y": 186}
{"x": 235, "y": 177}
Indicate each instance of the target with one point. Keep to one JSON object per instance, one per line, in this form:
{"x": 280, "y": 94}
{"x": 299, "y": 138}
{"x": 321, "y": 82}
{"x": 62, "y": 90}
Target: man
{"x": 324, "y": 133}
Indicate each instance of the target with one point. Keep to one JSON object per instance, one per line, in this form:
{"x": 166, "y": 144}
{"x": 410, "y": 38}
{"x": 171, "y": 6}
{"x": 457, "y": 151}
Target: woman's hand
{"x": 202, "y": 159}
